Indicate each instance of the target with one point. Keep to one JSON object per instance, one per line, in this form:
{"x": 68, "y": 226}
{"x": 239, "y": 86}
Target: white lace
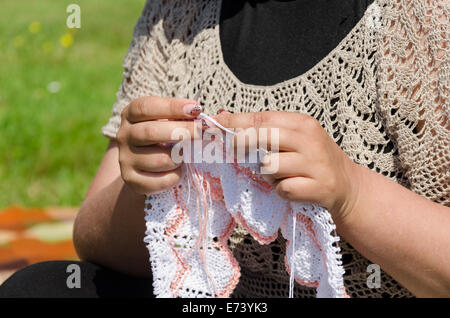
{"x": 174, "y": 235}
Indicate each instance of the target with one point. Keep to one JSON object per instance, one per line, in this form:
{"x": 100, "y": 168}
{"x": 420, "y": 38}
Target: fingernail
{"x": 192, "y": 109}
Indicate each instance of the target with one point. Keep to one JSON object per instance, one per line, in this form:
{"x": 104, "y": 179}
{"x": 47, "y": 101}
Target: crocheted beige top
{"x": 382, "y": 94}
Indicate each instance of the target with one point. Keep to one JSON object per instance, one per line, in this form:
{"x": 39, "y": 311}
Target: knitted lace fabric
{"x": 187, "y": 231}
{"x": 382, "y": 94}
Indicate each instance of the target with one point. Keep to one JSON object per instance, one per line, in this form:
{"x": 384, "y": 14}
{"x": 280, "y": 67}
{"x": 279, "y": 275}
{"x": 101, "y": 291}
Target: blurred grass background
{"x": 57, "y": 87}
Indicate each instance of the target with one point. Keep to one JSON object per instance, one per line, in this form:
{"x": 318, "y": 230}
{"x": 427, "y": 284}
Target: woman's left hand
{"x": 311, "y": 166}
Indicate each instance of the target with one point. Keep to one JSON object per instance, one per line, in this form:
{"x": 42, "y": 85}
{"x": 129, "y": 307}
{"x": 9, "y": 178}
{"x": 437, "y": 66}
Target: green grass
{"x": 50, "y": 143}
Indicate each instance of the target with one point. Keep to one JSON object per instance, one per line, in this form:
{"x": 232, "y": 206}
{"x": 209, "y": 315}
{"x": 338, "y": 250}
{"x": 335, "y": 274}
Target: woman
{"x": 361, "y": 89}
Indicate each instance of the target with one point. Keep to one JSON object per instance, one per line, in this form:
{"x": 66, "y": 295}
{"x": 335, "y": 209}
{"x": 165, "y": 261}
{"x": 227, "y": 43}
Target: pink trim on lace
{"x": 182, "y": 266}
{"x": 298, "y": 280}
{"x": 258, "y": 182}
{"x": 222, "y": 244}
{"x": 258, "y": 237}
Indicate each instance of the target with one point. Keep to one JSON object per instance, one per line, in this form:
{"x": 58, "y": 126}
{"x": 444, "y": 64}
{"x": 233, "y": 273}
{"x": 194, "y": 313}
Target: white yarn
{"x": 215, "y": 122}
{"x": 291, "y": 279}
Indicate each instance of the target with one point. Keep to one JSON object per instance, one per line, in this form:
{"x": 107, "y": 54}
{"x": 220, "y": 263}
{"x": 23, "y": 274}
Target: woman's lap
{"x": 72, "y": 279}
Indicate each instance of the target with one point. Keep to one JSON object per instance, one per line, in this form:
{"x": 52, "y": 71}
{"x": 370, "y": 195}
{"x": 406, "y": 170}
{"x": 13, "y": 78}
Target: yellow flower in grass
{"x": 35, "y": 27}
{"x": 66, "y": 40}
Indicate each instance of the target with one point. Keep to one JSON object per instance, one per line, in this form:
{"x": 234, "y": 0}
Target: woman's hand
{"x": 311, "y": 166}
{"x": 147, "y": 123}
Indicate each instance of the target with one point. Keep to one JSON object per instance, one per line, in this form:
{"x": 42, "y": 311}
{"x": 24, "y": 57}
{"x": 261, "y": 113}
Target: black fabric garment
{"x": 265, "y": 42}
{"x": 49, "y": 280}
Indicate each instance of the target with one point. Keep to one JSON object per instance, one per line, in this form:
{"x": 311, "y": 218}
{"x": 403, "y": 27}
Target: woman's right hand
{"x": 145, "y": 163}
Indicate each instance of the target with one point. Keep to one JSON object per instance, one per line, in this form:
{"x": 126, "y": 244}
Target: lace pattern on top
{"x": 381, "y": 94}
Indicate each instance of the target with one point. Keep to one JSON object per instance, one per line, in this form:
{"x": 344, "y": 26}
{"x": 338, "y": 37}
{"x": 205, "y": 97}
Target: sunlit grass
{"x": 57, "y": 87}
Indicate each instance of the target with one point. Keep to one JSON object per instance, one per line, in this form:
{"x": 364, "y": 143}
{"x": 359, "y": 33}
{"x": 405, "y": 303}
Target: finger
{"x": 155, "y": 107}
{"x": 268, "y": 178}
{"x": 298, "y": 189}
{"x": 153, "y": 159}
{"x": 280, "y": 119}
{"x": 273, "y": 139}
{"x": 285, "y": 165}
{"x": 152, "y": 182}
{"x": 151, "y": 132}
